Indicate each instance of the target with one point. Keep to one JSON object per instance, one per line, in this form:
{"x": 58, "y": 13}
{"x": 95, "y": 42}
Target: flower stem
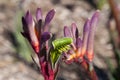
{"x": 89, "y": 70}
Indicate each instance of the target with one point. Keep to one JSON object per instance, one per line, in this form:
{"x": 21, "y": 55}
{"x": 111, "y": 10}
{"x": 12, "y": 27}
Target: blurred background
{"x": 15, "y": 52}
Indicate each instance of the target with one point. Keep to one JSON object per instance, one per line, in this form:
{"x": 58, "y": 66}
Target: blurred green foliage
{"x": 22, "y": 48}
{"x": 101, "y": 3}
{"x": 60, "y": 46}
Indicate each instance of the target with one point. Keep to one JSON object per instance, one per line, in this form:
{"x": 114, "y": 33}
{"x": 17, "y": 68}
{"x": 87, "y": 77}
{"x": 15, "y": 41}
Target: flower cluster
{"x": 72, "y": 46}
{"x": 38, "y": 35}
{"x": 82, "y": 49}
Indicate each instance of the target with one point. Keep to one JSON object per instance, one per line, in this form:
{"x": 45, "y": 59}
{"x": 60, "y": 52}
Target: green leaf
{"x": 54, "y": 57}
{"x": 61, "y": 42}
{"x": 21, "y": 45}
{"x": 59, "y": 46}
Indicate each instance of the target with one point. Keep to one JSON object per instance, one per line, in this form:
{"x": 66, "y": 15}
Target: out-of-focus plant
{"x": 97, "y": 4}
{"x": 21, "y": 46}
{"x": 71, "y": 47}
{"x": 115, "y": 39}
{"x": 101, "y": 3}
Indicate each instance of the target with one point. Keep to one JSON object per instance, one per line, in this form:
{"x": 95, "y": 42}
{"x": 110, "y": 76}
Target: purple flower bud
{"x": 28, "y": 18}
{"x": 85, "y": 36}
{"x": 48, "y": 19}
{"x": 74, "y": 30}
{"x": 45, "y": 36}
{"x": 29, "y": 31}
{"x": 67, "y": 32}
{"x": 93, "y": 25}
{"x": 39, "y": 14}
